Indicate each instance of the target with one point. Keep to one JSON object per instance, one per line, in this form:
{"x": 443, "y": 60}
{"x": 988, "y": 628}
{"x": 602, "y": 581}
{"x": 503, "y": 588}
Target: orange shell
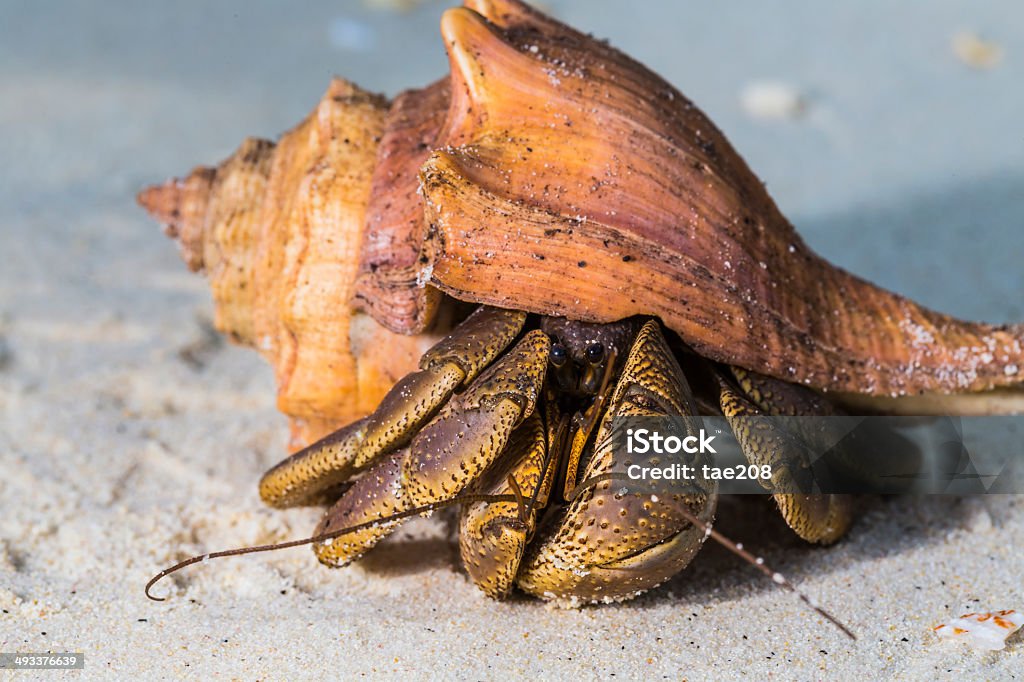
{"x": 389, "y": 269}
{"x": 278, "y": 229}
{"x": 570, "y": 180}
{"x": 548, "y": 173}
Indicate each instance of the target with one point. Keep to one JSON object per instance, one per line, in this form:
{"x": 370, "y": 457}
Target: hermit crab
{"x": 474, "y": 280}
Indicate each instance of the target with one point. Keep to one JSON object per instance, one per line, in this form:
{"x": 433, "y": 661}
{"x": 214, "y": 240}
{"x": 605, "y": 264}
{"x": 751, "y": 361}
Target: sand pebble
{"x": 975, "y": 51}
{"x": 772, "y": 100}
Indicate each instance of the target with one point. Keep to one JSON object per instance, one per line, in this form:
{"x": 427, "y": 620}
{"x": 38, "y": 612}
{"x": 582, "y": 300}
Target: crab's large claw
{"x": 609, "y": 544}
{"x": 447, "y": 455}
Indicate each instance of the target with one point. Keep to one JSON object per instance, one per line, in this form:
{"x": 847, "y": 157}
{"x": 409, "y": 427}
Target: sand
{"x": 131, "y": 438}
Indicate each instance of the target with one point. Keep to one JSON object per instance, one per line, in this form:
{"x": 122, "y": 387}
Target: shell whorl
{"x": 278, "y": 229}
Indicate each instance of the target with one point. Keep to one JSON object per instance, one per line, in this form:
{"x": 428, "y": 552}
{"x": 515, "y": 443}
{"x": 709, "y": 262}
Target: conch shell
{"x": 278, "y": 229}
{"x": 547, "y": 173}
{"x": 561, "y": 154}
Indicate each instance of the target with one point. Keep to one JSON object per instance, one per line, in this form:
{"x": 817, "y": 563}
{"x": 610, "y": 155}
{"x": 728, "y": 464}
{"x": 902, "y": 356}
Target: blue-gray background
{"x": 117, "y": 457}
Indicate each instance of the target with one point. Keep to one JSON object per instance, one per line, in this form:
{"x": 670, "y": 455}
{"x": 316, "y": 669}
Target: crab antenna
{"x": 758, "y": 563}
{"x": 525, "y": 507}
{"x": 597, "y": 408}
{"x": 520, "y": 500}
{"x": 734, "y": 547}
{"x": 202, "y": 558}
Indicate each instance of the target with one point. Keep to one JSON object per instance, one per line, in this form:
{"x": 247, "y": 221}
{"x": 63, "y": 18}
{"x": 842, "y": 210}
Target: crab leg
{"x": 374, "y": 495}
{"x": 453, "y": 362}
{"x": 814, "y": 517}
{"x": 450, "y": 452}
{"x": 493, "y": 535}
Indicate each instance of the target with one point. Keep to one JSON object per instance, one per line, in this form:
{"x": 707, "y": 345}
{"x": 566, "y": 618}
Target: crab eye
{"x": 558, "y": 354}
{"x": 595, "y": 353}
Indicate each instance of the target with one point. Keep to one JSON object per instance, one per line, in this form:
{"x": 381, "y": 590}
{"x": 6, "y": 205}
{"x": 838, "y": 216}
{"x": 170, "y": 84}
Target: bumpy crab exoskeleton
{"x": 482, "y": 416}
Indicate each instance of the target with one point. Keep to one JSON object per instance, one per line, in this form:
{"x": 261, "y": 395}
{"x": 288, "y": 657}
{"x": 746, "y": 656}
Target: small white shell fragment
{"x": 983, "y": 631}
{"x": 772, "y": 100}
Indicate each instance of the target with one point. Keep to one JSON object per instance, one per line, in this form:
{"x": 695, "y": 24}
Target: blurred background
{"x": 889, "y": 132}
